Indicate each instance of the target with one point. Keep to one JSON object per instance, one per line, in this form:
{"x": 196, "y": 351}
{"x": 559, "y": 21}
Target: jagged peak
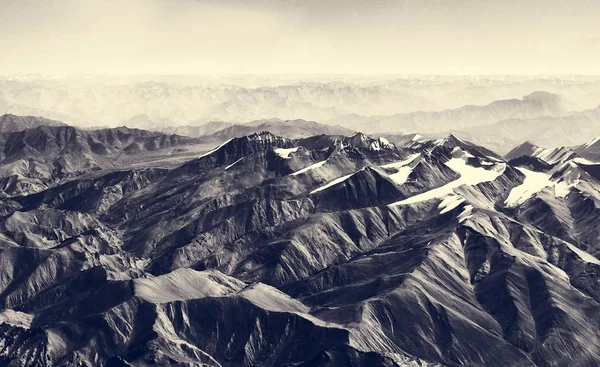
{"x": 358, "y": 136}
{"x": 262, "y": 139}
{"x": 260, "y": 134}
{"x": 527, "y": 148}
{"x": 450, "y": 141}
{"x": 360, "y": 140}
{"x": 381, "y": 143}
{"x": 265, "y": 137}
{"x": 383, "y": 140}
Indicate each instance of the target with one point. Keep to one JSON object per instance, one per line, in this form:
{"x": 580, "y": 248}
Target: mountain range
{"x": 152, "y": 100}
{"x": 551, "y": 131}
{"x": 289, "y": 128}
{"x": 540, "y": 117}
{"x": 497, "y": 112}
{"x": 36, "y": 152}
{"x": 536, "y": 104}
{"x": 330, "y": 249}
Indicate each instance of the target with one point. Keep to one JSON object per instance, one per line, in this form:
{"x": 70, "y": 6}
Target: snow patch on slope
{"x": 403, "y": 169}
{"x": 401, "y": 176}
{"x": 450, "y": 202}
{"x": 165, "y": 329}
{"x": 466, "y": 213}
{"x": 534, "y": 182}
{"x": 562, "y": 189}
{"x": 380, "y": 144}
{"x": 285, "y": 152}
{"x": 402, "y": 163}
{"x": 469, "y": 175}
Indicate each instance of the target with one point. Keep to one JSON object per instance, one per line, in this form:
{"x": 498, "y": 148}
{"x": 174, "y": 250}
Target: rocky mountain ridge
{"x": 324, "y": 250}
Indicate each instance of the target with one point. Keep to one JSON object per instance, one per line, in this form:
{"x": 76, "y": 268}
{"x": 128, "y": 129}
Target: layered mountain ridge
{"x": 495, "y": 112}
{"x": 536, "y": 104}
{"x": 323, "y": 250}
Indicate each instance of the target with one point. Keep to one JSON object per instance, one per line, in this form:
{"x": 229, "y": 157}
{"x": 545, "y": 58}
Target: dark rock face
{"x": 533, "y": 163}
{"x": 319, "y": 251}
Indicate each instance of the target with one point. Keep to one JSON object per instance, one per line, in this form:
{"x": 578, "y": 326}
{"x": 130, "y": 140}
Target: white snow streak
{"x": 585, "y": 162}
{"x": 562, "y": 189}
{"x": 401, "y": 163}
{"x": 311, "y": 167}
{"x": 231, "y": 165}
{"x": 466, "y": 213}
{"x": 592, "y": 142}
{"x": 401, "y": 176}
{"x": 334, "y": 182}
{"x": 583, "y": 255}
{"x": 214, "y": 150}
{"x": 450, "y": 202}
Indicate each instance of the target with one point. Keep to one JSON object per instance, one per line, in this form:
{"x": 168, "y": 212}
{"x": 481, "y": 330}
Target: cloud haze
{"x": 327, "y": 36}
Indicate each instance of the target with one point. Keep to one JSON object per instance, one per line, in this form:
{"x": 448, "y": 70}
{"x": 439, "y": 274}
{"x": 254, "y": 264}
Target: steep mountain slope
{"x": 589, "y": 150}
{"x": 319, "y": 251}
{"x": 547, "y": 155}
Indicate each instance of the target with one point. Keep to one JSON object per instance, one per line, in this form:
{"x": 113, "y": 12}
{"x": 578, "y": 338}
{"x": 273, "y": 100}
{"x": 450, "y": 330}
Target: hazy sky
{"x": 300, "y": 36}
